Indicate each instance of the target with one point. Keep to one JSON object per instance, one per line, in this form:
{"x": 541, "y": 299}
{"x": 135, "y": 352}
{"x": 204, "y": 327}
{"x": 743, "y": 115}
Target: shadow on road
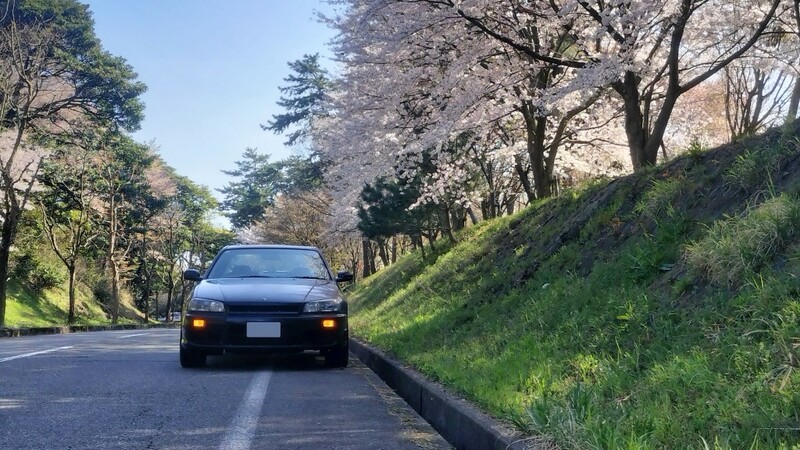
{"x": 295, "y": 362}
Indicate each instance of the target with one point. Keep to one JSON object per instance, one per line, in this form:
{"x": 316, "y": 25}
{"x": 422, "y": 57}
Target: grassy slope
{"x": 661, "y": 310}
{"x": 27, "y": 309}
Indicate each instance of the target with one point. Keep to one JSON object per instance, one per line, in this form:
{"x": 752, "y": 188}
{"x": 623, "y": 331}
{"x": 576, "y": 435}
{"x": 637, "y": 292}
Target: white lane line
{"x": 2, "y": 360}
{"x": 132, "y": 335}
{"x": 243, "y": 426}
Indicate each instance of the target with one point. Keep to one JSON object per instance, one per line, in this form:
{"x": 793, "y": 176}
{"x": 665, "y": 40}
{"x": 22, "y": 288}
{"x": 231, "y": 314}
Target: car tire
{"x": 338, "y": 356}
{"x": 192, "y": 358}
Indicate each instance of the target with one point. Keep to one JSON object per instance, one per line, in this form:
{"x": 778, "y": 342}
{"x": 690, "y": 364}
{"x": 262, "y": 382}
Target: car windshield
{"x": 269, "y": 263}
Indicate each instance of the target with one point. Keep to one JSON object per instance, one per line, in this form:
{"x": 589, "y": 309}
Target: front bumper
{"x": 224, "y": 333}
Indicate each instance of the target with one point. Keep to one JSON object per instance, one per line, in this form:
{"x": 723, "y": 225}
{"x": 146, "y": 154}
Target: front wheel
{"x": 192, "y": 358}
{"x": 338, "y": 356}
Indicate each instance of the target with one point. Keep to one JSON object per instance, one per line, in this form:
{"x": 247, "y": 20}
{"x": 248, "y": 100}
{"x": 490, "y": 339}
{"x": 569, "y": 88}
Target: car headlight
{"x": 331, "y": 305}
{"x": 201, "y": 304}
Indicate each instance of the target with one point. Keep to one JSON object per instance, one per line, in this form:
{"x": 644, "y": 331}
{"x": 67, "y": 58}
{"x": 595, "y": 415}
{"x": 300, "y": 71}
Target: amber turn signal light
{"x": 199, "y": 323}
{"x": 328, "y": 323}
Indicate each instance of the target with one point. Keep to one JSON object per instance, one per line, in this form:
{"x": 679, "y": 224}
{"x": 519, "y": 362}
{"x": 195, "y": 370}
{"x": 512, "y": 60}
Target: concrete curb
{"x": 37, "y": 331}
{"x": 460, "y": 423}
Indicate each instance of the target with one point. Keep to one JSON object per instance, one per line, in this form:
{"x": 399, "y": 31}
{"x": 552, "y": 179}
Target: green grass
{"x": 658, "y": 200}
{"x": 635, "y": 349}
{"x": 25, "y": 309}
{"x": 754, "y": 168}
{"x": 737, "y": 246}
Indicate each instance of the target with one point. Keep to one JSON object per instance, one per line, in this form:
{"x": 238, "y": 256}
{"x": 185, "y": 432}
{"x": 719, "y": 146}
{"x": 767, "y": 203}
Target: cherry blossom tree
{"x": 785, "y": 41}
{"x": 649, "y": 52}
{"x": 417, "y": 77}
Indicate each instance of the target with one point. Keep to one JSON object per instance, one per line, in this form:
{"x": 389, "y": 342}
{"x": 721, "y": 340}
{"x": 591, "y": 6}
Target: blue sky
{"x": 213, "y": 70}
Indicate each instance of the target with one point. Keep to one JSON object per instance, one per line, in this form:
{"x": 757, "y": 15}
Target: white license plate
{"x": 263, "y": 329}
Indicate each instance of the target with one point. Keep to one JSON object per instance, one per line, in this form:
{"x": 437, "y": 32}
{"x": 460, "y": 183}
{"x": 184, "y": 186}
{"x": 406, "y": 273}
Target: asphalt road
{"x": 126, "y": 390}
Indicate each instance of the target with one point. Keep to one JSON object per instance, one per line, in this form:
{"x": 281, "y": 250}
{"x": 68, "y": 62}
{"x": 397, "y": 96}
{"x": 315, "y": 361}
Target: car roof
{"x": 279, "y": 246}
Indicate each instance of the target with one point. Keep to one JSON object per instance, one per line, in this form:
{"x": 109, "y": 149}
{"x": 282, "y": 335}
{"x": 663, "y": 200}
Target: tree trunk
{"x": 146, "y": 290}
{"x": 510, "y": 203}
{"x": 373, "y": 268}
{"x": 394, "y": 249}
{"x": 794, "y": 101}
{"x": 170, "y": 293}
{"x": 11, "y": 214}
{"x": 458, "y": 218}
{"x": 147, "y": 300}
{"x": 365, "y": 252}
{"x": 354, "y": 261}
{"x": 472, "y": 216}
{"x": 114, "y": 290}
{"x": 523, "y": 178}
{"x": 71, "y": 290}
{"x": 536, "y": 148}
{"x": 444, "y": 218}
{"x": 383, "y": 253}
{"x": 628, "y": 89}
{"x": 5, "y": 249}
{"x": 183, "y": 297}
{"x": 431, "y": 240}
{"x": 535, "y": 130}
{"x": 157, "y": 306}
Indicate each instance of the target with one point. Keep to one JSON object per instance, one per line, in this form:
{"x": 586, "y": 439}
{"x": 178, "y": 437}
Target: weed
{"x": 682, "y": 285}
{"x": 696, "y": 149}
{"x": 738, "y": 245}
{"x": 602, "y": 218}
{"x": 658, "y": 199}
{"x": 754, "y": 167}
{"x": 784, "y": 348}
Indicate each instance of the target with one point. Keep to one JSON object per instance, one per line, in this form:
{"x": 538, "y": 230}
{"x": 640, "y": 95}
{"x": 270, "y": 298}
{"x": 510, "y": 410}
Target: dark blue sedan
{"x": 265, "y": 299}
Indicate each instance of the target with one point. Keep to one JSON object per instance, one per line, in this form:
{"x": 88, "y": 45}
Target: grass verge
{"x": 653, "y": 326}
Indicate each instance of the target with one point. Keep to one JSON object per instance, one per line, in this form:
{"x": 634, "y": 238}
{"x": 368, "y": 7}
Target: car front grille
{"x": 266, "y": 308}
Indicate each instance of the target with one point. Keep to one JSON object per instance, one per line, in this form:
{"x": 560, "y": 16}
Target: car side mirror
{"x": 344, "y": 276}
{"x": 192, "y": 275}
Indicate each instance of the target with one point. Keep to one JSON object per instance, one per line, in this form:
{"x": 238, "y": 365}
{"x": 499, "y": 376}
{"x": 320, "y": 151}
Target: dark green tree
{"x": 257, "y": 183}
{"x": 303, "y": 173}
{"x": 303, "y": 99}
{"x": 384, "y": 211}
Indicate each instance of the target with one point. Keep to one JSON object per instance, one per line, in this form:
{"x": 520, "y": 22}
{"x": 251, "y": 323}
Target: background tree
{"x": 121, "y": 182}
{"x": 143, "y": 229}
{"x": 257, "y": 183}
{"x": 385, "y": 212}
{"x": 66, "y": 202}
{"x": 649, "y": 53}
{"x": 53, "y": 73}
{"x": 304, "y": 100}
{"x": 199, "y": 206}
{"x": 171, "y": 243}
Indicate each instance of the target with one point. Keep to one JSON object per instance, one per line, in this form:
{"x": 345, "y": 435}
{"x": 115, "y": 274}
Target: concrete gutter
{"x": 459, "y": 422}
{"x": 17, "y": 332}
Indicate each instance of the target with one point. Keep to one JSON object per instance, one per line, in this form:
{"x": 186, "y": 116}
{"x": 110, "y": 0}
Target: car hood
{"x": 248, "y": 290}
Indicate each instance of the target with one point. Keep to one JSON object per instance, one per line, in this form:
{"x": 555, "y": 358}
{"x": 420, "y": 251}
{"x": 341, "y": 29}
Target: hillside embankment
{"x": 658, "y": 310}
